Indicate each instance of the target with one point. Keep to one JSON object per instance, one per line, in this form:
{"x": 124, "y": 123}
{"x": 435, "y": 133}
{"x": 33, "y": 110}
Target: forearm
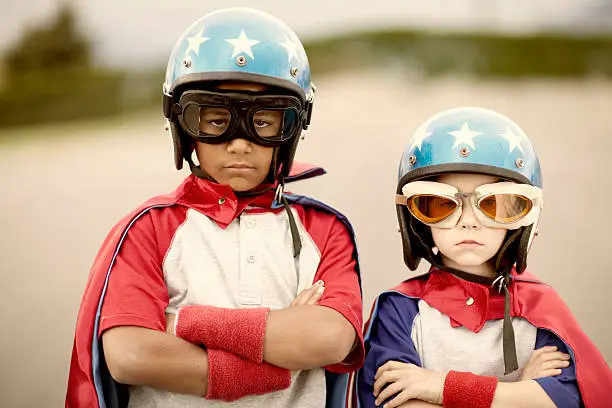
{"x": 305, "y": 337}
{"x": 139, "y": 356}
{"x": 417, "y": 404}
{"x": 527, "y": 394}
{"x": 521, "y": 394}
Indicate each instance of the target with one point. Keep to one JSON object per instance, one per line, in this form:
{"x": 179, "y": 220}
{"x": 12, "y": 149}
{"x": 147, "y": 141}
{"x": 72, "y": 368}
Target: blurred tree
{"x": 50, "y": 75}
{"x": 57, "y": 46}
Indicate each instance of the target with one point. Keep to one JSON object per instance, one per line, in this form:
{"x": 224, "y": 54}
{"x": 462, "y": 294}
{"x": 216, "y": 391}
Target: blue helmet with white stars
{"x": 237, "y": 45}
{"x": 467, "y": 140}
{"x": 474, "y": 140}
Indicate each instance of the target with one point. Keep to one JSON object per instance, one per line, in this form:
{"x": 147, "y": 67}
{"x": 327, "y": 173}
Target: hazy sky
{"x": 132, "y": 32}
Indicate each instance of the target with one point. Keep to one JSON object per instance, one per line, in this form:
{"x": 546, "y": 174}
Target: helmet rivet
{"x": 187, "y": 61}
{"x": 294, "y": 71}
{"x": 464, "y": 152}
{"x": 412, "y": 159}
{"x": 520, "y": 163}
{"x": 241, "y": 61}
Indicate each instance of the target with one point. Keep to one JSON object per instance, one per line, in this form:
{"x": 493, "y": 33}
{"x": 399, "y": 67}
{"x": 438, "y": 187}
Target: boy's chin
{"x": 241, "y": 185}
{"x": 469, "y": 261}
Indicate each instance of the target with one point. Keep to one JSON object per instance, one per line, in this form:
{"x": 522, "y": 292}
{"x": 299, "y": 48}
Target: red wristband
{"x": 239, "y": 331}
{"x": 231, "y": 377}
{"x": 467, "y": 390}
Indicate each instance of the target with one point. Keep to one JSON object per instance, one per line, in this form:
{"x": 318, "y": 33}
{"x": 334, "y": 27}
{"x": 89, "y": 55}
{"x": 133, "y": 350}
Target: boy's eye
{"x": 268, "y": 122}
{"x": 214, "y": 121}
{"x": 267, "y": 117}
{"x": 218, "y": 122}
{"x": 261, "y": 123}
{"x": 489, "y": 201}
{"x": 446, "y": 204}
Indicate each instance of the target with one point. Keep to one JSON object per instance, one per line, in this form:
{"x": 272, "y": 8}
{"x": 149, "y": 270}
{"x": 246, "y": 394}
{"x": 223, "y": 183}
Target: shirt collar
{"x": 466, "y": 303}
{"x": 219, "y": 202}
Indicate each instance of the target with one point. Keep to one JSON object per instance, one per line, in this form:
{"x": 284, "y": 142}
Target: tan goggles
{"x": 502, "y": 204}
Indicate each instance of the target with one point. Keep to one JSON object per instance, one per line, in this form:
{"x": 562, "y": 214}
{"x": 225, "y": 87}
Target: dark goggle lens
{"x": 274, "y": 125}
{"x": 209, "y": 121}
{"x": 268, "y": 124}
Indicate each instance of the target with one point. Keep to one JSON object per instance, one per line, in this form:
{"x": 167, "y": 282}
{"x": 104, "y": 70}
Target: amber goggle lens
{"x": 505, "y": 208}
{"x": 430, "y": 208}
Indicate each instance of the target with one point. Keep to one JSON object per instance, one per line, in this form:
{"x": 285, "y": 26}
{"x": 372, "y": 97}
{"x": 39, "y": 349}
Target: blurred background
{"x": 82, "y": 140}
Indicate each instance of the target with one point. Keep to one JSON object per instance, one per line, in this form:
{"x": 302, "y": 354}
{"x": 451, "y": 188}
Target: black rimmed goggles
{"x": 218, "y": 117}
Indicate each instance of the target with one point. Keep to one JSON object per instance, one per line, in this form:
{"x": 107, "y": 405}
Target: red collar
{"x": 219, "y": 202}
{"x": 466, "y": 303}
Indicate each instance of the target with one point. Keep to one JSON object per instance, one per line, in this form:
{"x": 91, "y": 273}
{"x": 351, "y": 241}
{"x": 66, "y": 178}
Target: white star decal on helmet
{"x": 464, "y": 136}
{"x": 242, "y": 44}
{"x": 513, "y": 140}
{"x": 195, "y": 42}
{"x": 291, "y": 48}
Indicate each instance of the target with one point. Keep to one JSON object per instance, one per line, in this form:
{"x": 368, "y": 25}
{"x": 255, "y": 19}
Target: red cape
{"x": 84, "y": 380}
{"x": 540, "y": 305}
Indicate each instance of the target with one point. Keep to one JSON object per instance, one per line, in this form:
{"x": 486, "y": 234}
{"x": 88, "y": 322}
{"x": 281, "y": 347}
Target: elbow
{"x": 339, "y": 343}
{"x": 124, "y": 367}
{"x": 123, "y": 359}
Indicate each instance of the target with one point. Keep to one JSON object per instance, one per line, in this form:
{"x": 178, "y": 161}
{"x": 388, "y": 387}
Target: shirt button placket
{"x": 250, "y": 268}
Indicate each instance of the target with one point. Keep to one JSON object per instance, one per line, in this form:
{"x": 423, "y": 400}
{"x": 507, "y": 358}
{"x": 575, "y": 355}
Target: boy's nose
{"x": 239, "y": 145}
{"x": 468, "y": 218}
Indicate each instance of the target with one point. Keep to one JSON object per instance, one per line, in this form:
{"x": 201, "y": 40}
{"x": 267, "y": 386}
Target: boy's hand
{"x": 309, "y": 296}
{"x": 545, "y": 362}
{"x": 408, "y": 381}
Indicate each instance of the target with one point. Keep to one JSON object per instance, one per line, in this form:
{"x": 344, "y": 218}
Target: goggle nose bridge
{"x": 466, "y": 196}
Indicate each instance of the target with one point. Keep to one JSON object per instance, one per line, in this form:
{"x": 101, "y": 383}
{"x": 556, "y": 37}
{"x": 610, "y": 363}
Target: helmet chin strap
{"x": 279, "y": 197}
{"x": 502, "y": 281}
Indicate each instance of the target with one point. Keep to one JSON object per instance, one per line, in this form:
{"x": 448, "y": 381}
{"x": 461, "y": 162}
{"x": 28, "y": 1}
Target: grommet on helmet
{"x": 467, "y": 140}
{"x": 239, "y": 45}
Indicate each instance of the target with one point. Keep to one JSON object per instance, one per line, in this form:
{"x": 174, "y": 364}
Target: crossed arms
{"x": 301, "y": 337}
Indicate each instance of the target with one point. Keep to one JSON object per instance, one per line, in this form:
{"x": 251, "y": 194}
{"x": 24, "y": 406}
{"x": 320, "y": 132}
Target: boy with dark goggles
{"x": 217, "y": 117}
